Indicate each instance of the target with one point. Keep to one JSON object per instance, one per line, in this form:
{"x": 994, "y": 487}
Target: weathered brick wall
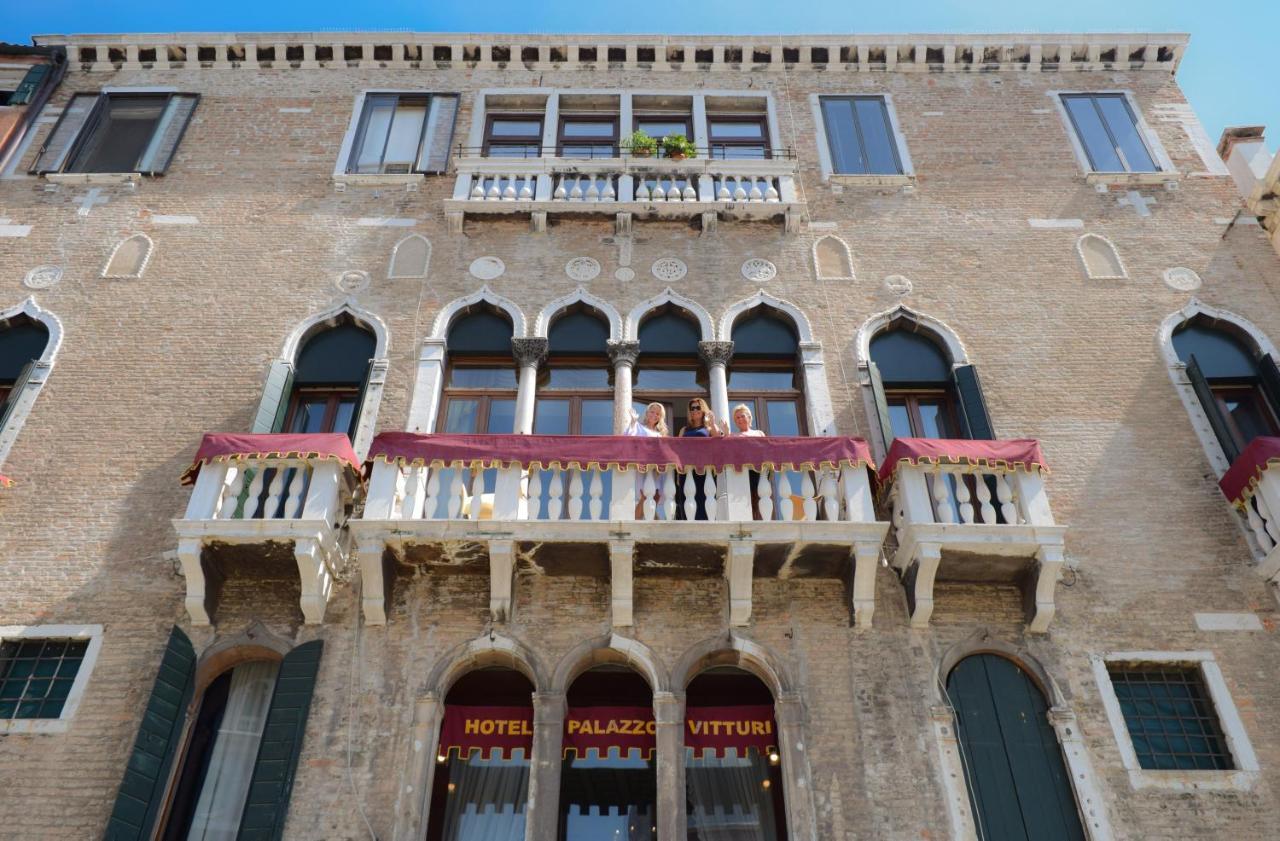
{"x": 148, "y": 365}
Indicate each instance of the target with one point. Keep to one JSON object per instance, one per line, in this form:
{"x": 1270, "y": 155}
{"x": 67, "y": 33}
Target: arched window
{"x": 329, "y": 379}
{"x": 733, "y": 773}
{"x": 212, "y": 784}
{"x": 481, "y": 787}
{"x": 765, "y": 372}
{"x": 575, "y": 388}
{"x": 1018, "y": 783}
{"x": 480, "y": 384}
{"x": 918, "y": 391}
{"x": 608, "y": 779}
{"x": 22, "y": 342}
{"x": 1238, "y": 389}
{"x": 669, "y": 370}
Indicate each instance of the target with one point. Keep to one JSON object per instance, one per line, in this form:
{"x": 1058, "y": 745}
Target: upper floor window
{"x": 1238, "y": 389}
{"x": 739, "y": 137}
{"x": 669, "y": 370}
{"x": 403, "y": 133}
{"x": 44, "y": 670}
{"x": 860, "y": 136}
{"x": 660, "y": 125}
{"x": 764, "y": 375}
{"x": 22, "y": 342}
{"x": 588, "y": 136}
{"x": 1171, "y": 719}
{"x": 117, "y": 133}
{"x": 480, "y": 385}
{"x": 575, "y": 395}
{"x": 329, "y": 381}
{"x": 513, "y": 136}
{"x": 1109, "y": 132}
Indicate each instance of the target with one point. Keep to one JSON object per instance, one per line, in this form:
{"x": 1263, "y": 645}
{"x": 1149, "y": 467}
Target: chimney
{"x": 1245, "y": 151}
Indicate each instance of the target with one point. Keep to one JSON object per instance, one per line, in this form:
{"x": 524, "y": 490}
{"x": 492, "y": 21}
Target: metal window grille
{"x": 36, "y": 676}
{"x": 1171, "y": 719}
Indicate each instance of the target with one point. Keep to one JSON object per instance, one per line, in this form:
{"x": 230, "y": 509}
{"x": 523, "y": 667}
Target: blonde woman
{"x": 654, "y": 425}
{"x": 742, "y": 420}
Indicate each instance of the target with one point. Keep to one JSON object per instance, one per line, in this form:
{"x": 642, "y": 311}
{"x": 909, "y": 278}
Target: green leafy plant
{"x": 639, "y": 143}
{"x": 678, "y": 146}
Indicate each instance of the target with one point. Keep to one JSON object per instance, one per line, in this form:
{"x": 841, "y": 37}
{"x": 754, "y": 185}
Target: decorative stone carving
{"x": 759, "y": 270}
{"x": 529, "y": 351}
{"x": 832, "y": 260}
{"x": 669, "y": 269}
{"x": 352, "y": 282}
{"x": 1100, "y": 258}
{"x": 898, "y": 284}
{"x": 626, "y": 274}
{"x": 1182, "y": 279}
{"x": 410, "y": 257}
{"x": 715, "y": 353}
{"x": 623, "y": 352}
{"x": 130, "y": 257}
{"x": 582, "y": 269}
{"x": 487, "y": 268}
{"x": 42, "y": 277}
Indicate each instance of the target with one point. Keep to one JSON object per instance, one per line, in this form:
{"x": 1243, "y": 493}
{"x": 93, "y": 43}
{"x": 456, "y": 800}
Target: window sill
{"x": 352, "y": 179}
{"x": 1131, "y": 179}
{"x": 850, "y": 180}
{"x": 98, "y": 178}
{"x": 1141, "y": 778}
{"x": 34, "y": 725}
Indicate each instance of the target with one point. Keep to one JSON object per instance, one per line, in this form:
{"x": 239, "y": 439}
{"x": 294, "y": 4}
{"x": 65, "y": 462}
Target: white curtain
{"x": 235, "y": 748}
{"x": 487, "y": 798}
{"x": 729, "y": 798}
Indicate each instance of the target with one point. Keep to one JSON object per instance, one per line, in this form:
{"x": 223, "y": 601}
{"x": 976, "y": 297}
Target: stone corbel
{"x": 316, "y": 576}
{"x": 621, "y": 563}
{"x": 925, "y": 559}
{"x": 373, "y": 582}
{"x": 502, "y": 571}
{"x": 866, "y": 557}
{"x": 737, "y": 571}
{"x": 1049, "y": 560}
{"x": 199, "y": 601}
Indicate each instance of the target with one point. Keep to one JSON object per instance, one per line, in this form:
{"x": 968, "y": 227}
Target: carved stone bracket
{"x": 623, "y": 352}
{"x": 715, "y": 353}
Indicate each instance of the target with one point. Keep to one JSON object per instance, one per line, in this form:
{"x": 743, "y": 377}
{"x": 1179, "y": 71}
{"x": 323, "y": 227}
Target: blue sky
{"x": 1231, "y": 72}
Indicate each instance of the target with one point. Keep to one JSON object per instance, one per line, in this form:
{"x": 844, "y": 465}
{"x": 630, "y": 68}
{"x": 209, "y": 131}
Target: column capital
{"x": 715, "y": 353}
{"x": 549, "y": 707}
{"x": 623, "y": 352}
{"x": 529, "y": 352}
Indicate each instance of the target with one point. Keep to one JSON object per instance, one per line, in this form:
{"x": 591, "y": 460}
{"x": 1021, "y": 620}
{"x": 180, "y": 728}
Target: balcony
{"x": 626, "y": 187}
{"x": 1254, "y": 489}
{"x": 975, "y": 512}
{"x": 261, "y": 505}
{"x": 616, "y": 507}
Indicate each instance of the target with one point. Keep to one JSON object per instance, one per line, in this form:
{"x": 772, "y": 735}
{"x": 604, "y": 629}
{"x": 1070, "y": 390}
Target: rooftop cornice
{"x": 903, "y": 52}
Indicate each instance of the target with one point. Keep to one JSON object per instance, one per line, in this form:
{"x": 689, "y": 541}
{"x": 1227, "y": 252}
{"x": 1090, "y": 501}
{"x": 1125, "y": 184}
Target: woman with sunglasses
{"x": 701, "y": 424}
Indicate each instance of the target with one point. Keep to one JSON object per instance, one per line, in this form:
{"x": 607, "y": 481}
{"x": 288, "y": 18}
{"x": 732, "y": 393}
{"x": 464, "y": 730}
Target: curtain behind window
{"x": 729, "y": 797}
{"x": 487, "y": 798}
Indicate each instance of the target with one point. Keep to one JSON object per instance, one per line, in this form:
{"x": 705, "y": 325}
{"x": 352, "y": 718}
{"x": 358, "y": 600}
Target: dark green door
{"x": 1018, "y": 784}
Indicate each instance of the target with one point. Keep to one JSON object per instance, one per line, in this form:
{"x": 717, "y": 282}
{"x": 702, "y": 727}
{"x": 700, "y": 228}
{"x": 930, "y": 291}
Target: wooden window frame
{"x": 687, "y": 119}
{"x": 512, "y": 141}
{"x": 760, "y": 119}
{"x": 757, "y": 399}
{"x": 564, "y": 142}
{"x": 1225, "y": 391}
{"x": 94, "y": 121}
{"x": 857, "y": 128}
{"x": 333, "y": 397}
{"x": 575, "y": 396}
{"x": 362, "y": 130}
{"x": 484, "y": 396}
{"x": 911, "y": 397}
{"x": 669, "y": 397}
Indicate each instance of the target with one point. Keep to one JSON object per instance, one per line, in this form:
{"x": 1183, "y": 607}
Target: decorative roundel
{"x": 625, "y": 274}
{"x": 669, "y": 269}
{"x": 352, "y": 281}
{"x": 759, "y": 270}
{"x": 898, "y": 284}
{"x": 1182, "y": 279}
{"x": 487, "y": 268}
{"x": 42, "y": 277}
{"x": 582, "y": 268}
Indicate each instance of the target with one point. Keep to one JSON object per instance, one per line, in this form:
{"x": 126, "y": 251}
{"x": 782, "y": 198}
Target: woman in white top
{"x": 742, "y": 419}
{"x": 655, "y": 422}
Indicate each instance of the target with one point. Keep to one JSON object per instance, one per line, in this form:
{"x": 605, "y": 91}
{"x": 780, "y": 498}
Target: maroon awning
{"x": 232, "y": 446}
{"x": 1006, "y": 455}
{"x": 1240, "y": 480}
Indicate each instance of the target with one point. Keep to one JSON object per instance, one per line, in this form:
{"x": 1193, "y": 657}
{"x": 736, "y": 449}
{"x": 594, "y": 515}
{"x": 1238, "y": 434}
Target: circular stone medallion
{"x": 898, "y": 284}
{"x": 582, "y": 269}
{"x": 487, "y": 268}
{"x": 625, "y": 274}
{"x": 352, "y": 282}
{"x": 42, "y": 277}
{"x": 1182, "y": 279}
{"x": 669, "y": 269}
{"x": 759, "y": 270}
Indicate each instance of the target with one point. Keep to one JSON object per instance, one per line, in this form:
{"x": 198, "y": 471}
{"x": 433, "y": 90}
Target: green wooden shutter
{"x": 142, "y": 790}
{"x": 1270, "y": 376}
{"x": 30, "y": 83}
{"x": 286, "y": 398}
{"x": 359, "y": 407}
{"x": 11, "y": 402}
{"x": 1018, "y": 782}
{"x": 882, "y": 405}
{"x": 1210, "y": 405}
{"x": 972, "y": 405}
{"x": 273, "y": 772}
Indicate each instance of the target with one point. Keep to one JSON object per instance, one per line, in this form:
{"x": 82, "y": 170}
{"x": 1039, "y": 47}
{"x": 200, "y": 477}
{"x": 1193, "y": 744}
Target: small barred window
{"x": 1170, "y": 717}
{"x": 36, "y": 676}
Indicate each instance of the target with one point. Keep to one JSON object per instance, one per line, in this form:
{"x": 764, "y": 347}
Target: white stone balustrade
{"x": 991, "y": 524}
{"x": 1260, "y": 509}
{"x": 258, "y": 502}
{"x": 453, "y": 504}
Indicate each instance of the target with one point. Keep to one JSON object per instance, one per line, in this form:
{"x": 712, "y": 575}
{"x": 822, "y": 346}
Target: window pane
{"x": 1125, "y": 131}
{"x": 676, "y": 379}
{"x": 933, "y": 420}
{"x": 726, "y": 130}
{"x": 344, "y": 418}
{"x": 121, "y": 135}
{"x": 461, "y": 416}
{"x": 1092, "y": 134}
{"x": 588, "y": 150}
{"x": 842, "y": 137}
{"x": 730, "y": 796}
{"x": 380, "y": 112}
{"x": 488, "y": 798}
{"x": 609, "y": 798}
{"x": 900, "y": 420}
{"x": 502, "y": 417}
{"x": 578, "y": 378}
{"x": 482, "y": 378}
{"x": 594, "y": 128}
{"x": 551, "y": 417}
{"x": 661, "y": 128}
{"x": 406, "y": 132}
{"x": 873, "y": 119}
{"x": 515, "y": 128}
{"x": 737, "y": 153}
{"x": 784, "y": 419}
{"x": 522, "y": 150}
{"x": 761, "y": 380}
{"x": 309, "y": 416}
{"x": 597, "y": 417}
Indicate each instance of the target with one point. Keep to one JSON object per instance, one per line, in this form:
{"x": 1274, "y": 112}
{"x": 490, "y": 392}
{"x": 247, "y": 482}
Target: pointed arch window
{"x": 329, "y": 380}
{"x": 669, "y": 370}
{"x": 480, "y": 384}
{"x": 765, "y": 374}
{"x": 1238, "y": 388}
{"x": 575, "y": 384}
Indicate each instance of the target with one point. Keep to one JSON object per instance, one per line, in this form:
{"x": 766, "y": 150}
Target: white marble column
{"x": 623, "y": 355}
{"x": 716, "y": 356}
{"x": 529, "y": 354}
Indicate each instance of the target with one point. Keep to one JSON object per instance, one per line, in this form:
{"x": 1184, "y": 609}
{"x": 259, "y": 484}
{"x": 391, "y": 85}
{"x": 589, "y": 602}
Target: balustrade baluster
{"x": 295, "y": 496}
{"x": 274, "y": 505}
{"x": 561, "y": 193}
{"x": 593, "y": 191}
{"x": 526, "y": 188}
{"x": 576, "y": 193}
{"x": 689, "y": 192}
{"x": 771, "y": 194}
{"x": 673, "y": 194}
{"x": 555, "y": 494}
{"x": 659, "y": 194}
{"x": 252, "y": 504}
{"x": 1258, "y": 524}
{"x": 648, "y": 492}
{"x": 415, "y": 482}
{"x": 942, "y": 498}
{"x": 509, "y": 191}
{"x": 669, "y": 494}
{"x": 830, "y": 501}
{"x": 495, "y": 189}
{"x": 690, "y": 496}
{"x": 739, "y": 194}
{"x": 225, "y": 508}
{"x": 432, "y": 502}
{"x": 477, "y": 192}
{"x": 786, "y": 496}
{"x": 642, "y": 190}
{"x": 575, "y": 494}
{"x": 596, "y": 506}
{"x": 1005, "y": 494}
{"x": 456, "y": 489}
{"x": 608, "y": 193}
{"x": 984, "y": 497}
{"x": 764, "y": 494}
{"x": 755, "y": 194}
{"x": 535, "y": 494}
{"x": 1268, "y": 521}
{"x": 477, "y": 492}
{"x": 962, "y": 497}
{"x": 810, "y": 505}
{"x": 722, "y": 192}
{"x": 709, "y": 491}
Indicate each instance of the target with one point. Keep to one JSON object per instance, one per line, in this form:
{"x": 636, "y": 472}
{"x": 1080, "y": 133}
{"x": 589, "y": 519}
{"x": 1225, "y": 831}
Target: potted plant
{"x": 678, "y": 147}
{"x": 640, "y": 144}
